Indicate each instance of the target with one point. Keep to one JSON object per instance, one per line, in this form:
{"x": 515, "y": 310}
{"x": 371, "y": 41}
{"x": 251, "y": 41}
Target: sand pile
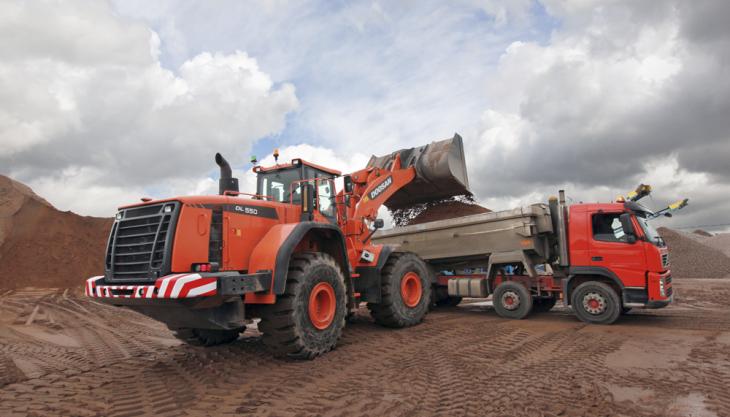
{"x": 447, "y": 208}
{"x": 690, "y": 258}
{"x": 43, "y": 247}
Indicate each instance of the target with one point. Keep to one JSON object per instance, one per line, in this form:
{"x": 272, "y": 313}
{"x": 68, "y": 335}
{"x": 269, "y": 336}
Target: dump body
{"x": 474, "y": 238}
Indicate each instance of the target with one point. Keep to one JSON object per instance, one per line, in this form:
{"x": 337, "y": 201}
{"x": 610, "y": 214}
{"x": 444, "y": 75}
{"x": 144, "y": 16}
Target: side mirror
{"x": 348, "y": 183}
{"x": 628, "y": 227}
{"x": 307, "y": 199}
{"x": 378, "y": 224}
{"x": 667, "y": 214}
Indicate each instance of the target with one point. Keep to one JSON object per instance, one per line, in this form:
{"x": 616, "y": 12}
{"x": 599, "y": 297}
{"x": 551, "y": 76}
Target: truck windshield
{"x": 650, "y": 232}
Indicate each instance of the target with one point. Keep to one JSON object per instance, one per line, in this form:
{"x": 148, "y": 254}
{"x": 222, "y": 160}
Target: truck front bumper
{"x": 182, "y": 286}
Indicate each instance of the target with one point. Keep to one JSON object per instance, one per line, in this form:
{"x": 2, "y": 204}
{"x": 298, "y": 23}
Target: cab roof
{"x": 295, "y": 163}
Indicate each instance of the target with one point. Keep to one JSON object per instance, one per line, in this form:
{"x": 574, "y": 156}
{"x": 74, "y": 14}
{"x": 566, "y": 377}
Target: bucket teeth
{"x": 440, "y": 172}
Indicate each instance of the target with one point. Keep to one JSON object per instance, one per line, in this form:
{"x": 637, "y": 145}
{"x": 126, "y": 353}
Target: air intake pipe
{"x": 226, "y": 181}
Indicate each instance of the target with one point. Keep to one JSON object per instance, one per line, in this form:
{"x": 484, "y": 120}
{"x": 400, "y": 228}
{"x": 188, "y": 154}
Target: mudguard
{"x": 276, "y": 248}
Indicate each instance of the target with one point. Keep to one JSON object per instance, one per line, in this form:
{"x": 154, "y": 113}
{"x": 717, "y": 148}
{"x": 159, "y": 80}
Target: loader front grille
{"x": 140, "y": 243}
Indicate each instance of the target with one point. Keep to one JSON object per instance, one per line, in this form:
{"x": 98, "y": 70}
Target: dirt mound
{"x": 447, "y": 208}
{"x": 690, "y": 258}
{"x": 44, "y": 247}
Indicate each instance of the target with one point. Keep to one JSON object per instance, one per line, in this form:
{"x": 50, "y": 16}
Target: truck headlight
{"x": 119, "y": 216}
{"x": 662, "y": 292}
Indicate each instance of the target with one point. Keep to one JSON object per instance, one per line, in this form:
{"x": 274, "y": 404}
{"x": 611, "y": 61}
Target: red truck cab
{"x": 617, "y": 243}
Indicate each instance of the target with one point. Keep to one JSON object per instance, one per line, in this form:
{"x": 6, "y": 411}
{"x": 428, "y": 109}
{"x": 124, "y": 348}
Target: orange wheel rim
{"x": 410, "y": 289}
{"x": 322, "y": 303}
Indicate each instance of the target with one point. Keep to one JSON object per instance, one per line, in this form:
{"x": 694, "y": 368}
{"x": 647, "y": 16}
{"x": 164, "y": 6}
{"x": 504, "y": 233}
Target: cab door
{"x": 611, "y": 248}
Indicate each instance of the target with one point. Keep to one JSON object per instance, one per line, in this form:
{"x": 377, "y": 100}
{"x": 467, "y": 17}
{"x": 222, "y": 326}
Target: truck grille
{"x": 139, "y": 244}
{"x": 665, "y": 260}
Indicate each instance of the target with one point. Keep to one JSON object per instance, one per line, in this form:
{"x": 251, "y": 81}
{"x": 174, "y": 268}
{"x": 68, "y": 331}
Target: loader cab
{"x": 283, "y": 184}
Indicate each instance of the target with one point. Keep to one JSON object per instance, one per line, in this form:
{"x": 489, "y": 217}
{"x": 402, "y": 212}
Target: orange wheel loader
{"x": 296, "y": 253}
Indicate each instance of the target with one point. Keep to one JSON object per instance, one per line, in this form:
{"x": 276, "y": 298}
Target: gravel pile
{"x": 447, "y": 208}
{"x": 690, "y": 258}
{"x": 44, "y": 247}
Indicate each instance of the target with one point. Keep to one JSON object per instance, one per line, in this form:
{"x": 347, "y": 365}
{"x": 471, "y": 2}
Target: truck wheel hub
{"x": 322, "y": 303}
{"x": 510, "y": 300}
{"x": 410, "y": 289}
{"x": 594, "y": 303}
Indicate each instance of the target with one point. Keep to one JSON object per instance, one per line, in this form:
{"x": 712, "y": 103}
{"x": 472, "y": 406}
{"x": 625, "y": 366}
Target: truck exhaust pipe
{"x": 226, "y": 181}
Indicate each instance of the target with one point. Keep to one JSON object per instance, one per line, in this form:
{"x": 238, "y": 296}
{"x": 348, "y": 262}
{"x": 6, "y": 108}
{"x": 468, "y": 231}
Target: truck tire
{"x": 406, "y": 292}
{"x": 207, "y": 337}
{"x": 307, "y": 320}
{"x": 543, "y": 305}
{"x": 512, "y": 300}
{"x": 595, "y": 302}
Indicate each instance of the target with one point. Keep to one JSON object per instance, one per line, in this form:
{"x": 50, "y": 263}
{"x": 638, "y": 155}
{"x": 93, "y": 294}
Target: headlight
{"x": 662, "y": 292}
{"x": 119, "y": 215}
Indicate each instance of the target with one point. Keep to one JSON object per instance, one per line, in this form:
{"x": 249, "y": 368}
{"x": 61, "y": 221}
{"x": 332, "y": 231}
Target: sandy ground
{"x": 61, "y": 354}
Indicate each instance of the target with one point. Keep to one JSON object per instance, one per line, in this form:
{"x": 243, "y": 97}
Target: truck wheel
{"x": 596, "y": 302}
{"x": 207, "y": 337}
{"x": 406, "y": 292}
{"x": 307, "y": 320}
{"x": 543, "y": 305}
{"x": 512, "y": 300}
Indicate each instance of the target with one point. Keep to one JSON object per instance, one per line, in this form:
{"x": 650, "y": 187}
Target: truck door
{"x": 610, "y": 249}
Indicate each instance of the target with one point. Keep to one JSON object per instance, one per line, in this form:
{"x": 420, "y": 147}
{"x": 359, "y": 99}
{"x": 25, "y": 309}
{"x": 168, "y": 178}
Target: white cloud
{"x": 88, "y": 110}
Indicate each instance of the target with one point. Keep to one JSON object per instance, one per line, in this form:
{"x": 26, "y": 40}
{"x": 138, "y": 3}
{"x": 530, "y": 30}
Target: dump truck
{"x": 296, "y": 253}
{"x": 601, "y": 260}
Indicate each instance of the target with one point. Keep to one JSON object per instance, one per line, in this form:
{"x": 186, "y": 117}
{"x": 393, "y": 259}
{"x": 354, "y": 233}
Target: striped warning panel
{"x": 170, "y": 286}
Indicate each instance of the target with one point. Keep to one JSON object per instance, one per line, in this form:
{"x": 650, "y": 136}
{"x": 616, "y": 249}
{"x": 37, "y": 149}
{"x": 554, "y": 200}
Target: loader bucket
{"x": 440, "y": 172}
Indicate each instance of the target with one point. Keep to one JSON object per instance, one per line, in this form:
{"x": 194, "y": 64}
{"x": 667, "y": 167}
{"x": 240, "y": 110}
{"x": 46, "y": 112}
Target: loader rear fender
{"x": 274, "y": 251}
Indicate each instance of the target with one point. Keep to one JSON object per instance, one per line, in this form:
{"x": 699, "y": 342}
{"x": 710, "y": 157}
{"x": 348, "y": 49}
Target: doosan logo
{"x": 380, "y": 188}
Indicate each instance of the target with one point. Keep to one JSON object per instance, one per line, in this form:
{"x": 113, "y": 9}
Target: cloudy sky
{"x": 102, "y": 103}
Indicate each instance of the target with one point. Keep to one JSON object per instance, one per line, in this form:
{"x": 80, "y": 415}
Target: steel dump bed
{"x": 528, "y": 230}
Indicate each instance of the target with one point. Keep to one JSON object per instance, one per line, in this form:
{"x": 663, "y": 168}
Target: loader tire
{"x": 405, "y": 287}
{"x": 596, "y": 303}
{"x": 207, "y": 337}
{"x": 512, "y": 300}
{"x": 307, "y": 320}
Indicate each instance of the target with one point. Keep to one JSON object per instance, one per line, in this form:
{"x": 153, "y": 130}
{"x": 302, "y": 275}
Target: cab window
{"x": 607, "y": 227}
{"x": 278, "y": 185}
{"x": 326, "y": 197}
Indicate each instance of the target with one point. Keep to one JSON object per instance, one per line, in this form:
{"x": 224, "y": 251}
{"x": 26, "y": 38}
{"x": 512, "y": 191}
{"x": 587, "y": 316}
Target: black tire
{"x": 521, "y": 300}
{"x": 286, "y": 326}
{"x": 392, "y": 310}
{"x": 207, "y": 337}
{"x": 441, "y": 297}
{"x": 543, "y": 305}
{"x": 608, "y": 308}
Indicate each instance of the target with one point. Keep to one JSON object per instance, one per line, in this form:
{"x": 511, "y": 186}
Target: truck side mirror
{"x": 348, "y": 183}
{"x": 378, "y": 223}
{"x": 628, "y": 227}
{"x": 308, "y": 199}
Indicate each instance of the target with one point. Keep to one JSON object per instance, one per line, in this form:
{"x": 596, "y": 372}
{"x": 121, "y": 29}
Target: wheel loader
{"x": 295, "y": 253}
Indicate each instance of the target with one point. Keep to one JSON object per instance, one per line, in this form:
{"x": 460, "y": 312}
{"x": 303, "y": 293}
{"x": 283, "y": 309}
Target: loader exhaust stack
{"x": 226, "y": 181}
{"x": 440, "y": 172}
